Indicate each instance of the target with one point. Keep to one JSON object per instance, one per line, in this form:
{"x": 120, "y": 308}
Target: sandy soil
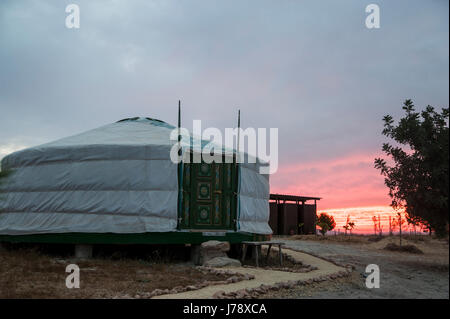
{"x": 402, "y": 275}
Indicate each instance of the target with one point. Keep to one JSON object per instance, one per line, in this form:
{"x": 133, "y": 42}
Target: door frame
{"x": 187, "y": 196}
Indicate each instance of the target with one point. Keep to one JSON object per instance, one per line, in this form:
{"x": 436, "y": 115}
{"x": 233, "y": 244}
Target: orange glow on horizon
{"x": 362, "y": 217}
{"x": 350, "y": 181}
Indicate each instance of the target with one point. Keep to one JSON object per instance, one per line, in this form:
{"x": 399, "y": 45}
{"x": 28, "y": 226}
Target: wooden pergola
{"x": 299, "y": 201}
{"x": 293, "y": 198}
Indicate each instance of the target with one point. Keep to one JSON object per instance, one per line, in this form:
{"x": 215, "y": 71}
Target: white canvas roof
{"x": 117, "y": 178}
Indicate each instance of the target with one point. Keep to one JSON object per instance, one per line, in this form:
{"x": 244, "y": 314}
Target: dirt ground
{"x": 26, "y": 273}
{"x": 273, "y": 262}
{"x": 265, "y": 278}
{"x": 402, "y": 275}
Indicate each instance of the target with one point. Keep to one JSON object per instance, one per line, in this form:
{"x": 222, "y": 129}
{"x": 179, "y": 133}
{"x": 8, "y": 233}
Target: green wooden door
{"x": 209, "y": 196}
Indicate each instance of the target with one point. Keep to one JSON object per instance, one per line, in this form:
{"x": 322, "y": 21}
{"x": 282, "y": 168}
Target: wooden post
{"x": 280, "y": 255}
{"x": 283, "y": 216}
{"x": 255, "y": 247}
{"x": 315, "y": 216}
{"x": 268, "y": 253}
{"x": 244, "y": 252}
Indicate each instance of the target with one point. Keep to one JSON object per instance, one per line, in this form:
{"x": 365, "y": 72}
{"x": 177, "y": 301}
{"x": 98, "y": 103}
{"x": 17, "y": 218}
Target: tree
{"x": 380, "y": 229}
{"x": 394, "y": 225}
{"x": 346, "y": 226}
{"x": 399, "y": 221}
{"x": 349, "y": 225}
{"x": 390, "y": 226}
{"x": 414, "y": 222}
{"x": 326, "y": 223}
{"x": 418, "y": 177}
{"x": 375, "y": 224}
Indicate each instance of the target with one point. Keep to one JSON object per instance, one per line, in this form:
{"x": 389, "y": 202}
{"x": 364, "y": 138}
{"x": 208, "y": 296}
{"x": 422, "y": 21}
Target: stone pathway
{"x": 266, "y": 277}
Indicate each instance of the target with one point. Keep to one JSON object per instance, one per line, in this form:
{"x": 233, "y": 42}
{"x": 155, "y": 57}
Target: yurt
{"x": 117, "y": 184}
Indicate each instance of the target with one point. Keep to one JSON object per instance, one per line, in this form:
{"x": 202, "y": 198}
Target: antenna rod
{"x": 239, "y": 129}
{"x": 179, "y": 114}
{"x": 179, "y": 127}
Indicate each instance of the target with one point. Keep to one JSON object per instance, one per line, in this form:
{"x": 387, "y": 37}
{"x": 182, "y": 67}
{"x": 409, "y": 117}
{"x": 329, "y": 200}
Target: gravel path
{"x": 402, "y": 275}
{"x": 263, "y": 277}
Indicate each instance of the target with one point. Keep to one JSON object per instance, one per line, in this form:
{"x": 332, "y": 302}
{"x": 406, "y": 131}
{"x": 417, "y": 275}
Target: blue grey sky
{"x": 310, "y": 68}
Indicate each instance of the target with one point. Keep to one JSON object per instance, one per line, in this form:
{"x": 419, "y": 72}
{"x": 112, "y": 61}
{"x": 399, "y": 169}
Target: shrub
{"x": 326, "y": 223}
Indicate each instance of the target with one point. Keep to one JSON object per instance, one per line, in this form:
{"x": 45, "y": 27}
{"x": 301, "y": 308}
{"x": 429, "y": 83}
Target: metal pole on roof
{"x": 179, "y": 115}
{"x": 180, "y": 172}
{"x": 239, "y": 129}
{"x": 238, "y": 207}
{"x": 179, "y": 127}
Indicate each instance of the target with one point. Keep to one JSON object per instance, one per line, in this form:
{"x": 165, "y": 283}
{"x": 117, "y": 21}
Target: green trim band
{"x": 140, "y": 238}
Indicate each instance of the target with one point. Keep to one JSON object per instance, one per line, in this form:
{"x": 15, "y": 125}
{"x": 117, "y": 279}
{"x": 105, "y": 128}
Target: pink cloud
{"x": 348, "y": 181}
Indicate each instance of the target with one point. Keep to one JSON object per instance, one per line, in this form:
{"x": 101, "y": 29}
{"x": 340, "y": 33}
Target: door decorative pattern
{"x": 209, "y": 196}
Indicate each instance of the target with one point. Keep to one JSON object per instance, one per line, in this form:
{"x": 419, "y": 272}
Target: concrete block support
{"x": 83, "y": 251}
{"x": 195, "y": 254}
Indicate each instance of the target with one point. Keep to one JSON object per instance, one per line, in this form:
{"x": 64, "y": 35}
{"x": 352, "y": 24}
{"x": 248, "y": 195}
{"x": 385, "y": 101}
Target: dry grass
{"x": 361, "y": 239}
{"x": 27, "y": 273}
{"x": 404, "y": 248}
{"x": 425, "y": 243}
{"x": 427, "y": 264}
{"x": 434, "y": 256}
{"x": 333, "y": 238}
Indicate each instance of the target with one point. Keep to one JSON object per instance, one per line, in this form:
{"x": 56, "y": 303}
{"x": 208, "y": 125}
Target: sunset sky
{"x": 309, "y": 68}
